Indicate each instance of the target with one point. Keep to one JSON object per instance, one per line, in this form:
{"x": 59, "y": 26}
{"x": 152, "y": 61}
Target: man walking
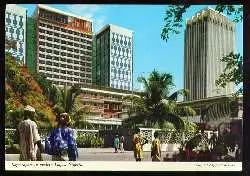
{"x": 29, "y": 139}
{"x": 155, "y": 148}
{"x": 122, "y": 143}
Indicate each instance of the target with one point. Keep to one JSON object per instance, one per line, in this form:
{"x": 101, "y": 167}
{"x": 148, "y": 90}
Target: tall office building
{"x": 209, "y": 36}
{"x": 113, "y": 57}
{"x": 15, "y": 32}
{"x": 64, "y": 46}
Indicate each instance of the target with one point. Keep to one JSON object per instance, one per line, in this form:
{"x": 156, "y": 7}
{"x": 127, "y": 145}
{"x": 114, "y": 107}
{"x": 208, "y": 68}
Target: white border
{"x": 122, "y": 166}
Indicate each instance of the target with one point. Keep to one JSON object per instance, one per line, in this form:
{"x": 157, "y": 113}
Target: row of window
{"x": 121, "y": 87}
{"x": 62, "y": 59}
{"x": 70, "y": 83}
{"x": 56, "y": 70}
{"x": 59, "y": 39}
{"x": 63, "y": 33}
{"x": 88, "y": 69}
{"x": 86, "y": 53}
{"x": 66, "y": 31}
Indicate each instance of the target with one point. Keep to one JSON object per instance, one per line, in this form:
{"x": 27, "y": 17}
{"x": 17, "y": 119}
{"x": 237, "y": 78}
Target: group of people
{"x": 60, "y": 143}
{"x": 139, "y": 141}
{"x": 119, "y": 143}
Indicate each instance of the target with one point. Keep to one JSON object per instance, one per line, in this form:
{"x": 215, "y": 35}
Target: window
{"x": 42, "y": 55}
{"x": 56, "y": 40}
{"x": 76, "y": 68}
{"x": 49, "y": 32}
{"x": 56, "y": 70}
{"x": 49, "y": 50}
{"x": 63, "y": 71}
{"x": 41, "y": 68}
{"x": 41, "y": 61}
{"x": 49, "y": 38}
{"x": 63, "y": 65}
{"x": 56, "y": 64}
{"x": 56, "y": 52}
{"x": 56, "y": 28}
{"x": 63, "y": 48}
{"x": 48, "y": 69}
{"x": 70, "y": 67}
{"x": 42, "y": 43}
{"x": 63, "y": 59}
{"x": 56, "y": 58}
{"x": 56, "y": 76}
{"x": 49, "y": 62}
{"x": 56, "y": 34}
{"x": 63, "y": 42}
{"x": 42, "y": 49}
{"x": 41, "y": 36}
{"x": 49, "y": 44}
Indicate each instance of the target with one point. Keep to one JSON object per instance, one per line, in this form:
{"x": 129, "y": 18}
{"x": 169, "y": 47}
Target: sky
{"x": 150, "y": 51}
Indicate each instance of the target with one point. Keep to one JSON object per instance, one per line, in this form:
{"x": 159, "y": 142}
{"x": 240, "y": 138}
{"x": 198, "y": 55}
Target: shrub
{"x": 87, "y": 141}
{"x": 12, "y": 149}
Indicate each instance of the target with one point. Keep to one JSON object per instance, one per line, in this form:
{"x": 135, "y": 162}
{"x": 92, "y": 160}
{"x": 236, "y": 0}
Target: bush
{"x": 88, "y": 141}
{"x": 12, "y": 149}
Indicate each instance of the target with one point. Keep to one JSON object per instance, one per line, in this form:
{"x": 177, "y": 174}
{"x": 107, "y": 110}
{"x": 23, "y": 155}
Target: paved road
{"x": 106, "y": 154}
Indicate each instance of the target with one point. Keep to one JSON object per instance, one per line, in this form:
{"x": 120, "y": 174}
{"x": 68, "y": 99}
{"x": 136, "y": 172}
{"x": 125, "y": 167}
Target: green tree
{"x": 233, "y": 72}
{"x": 174, "y": 17}
{"x": 67, "y": 98}
{"x": 159, "y": 104}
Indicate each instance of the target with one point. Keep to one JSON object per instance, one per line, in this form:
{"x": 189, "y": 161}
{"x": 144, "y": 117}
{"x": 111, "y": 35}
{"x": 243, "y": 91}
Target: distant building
{"x": 64, "y": 46}
{"x": 31, "y": 59}
{"x": 113, "y": 57}
{"x": 15, "y": 32}
{"x": 208, "y": 37}
{"x": 215, "y": 112}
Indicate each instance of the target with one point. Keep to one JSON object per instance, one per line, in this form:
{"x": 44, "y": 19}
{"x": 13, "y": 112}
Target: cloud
{"x": 87, "y": 11}
{"x": 93, "y": 12}
{"x": 99, "y": 23}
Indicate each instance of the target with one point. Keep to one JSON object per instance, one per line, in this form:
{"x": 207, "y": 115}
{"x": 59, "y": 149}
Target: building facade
{"x": 209, "y": 36}
{"x": 113, "y": 58}
{"x": 64, "y": 46}
{"x": 31, "y": 45}
{"x": 15, "y": 32}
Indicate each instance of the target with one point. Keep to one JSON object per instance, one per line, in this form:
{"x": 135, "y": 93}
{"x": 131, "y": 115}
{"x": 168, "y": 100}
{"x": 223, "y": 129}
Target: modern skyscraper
{"x": 31, "y": 45}
{"x": 15, "y": 32}
{"x": 209, "y": 36}
{"x": 113, "y": 57}
{"x": 64, "y": 46}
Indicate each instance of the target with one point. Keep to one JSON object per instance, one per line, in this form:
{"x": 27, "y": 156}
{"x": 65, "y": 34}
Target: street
{"x": 94, "y": 154}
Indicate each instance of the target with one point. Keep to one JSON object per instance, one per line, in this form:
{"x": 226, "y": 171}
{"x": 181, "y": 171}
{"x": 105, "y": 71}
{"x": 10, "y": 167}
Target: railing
{"x": 170, "y": 140}
{"x": 10, "y": 133}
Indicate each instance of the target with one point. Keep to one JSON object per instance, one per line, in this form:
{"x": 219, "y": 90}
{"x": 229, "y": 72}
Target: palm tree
{"x": 158, "y": 102}
{"x": 67, "y": 97}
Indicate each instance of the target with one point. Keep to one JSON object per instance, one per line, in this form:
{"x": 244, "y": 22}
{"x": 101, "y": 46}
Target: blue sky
{"x": 150, "y": 51}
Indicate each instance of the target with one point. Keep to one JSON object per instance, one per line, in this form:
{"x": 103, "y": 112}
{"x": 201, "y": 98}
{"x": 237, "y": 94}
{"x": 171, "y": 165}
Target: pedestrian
{"x": 155, "y": 148}
{"x": 29, "y": 138}
{"x": 213, "y": 140}
{"x": 116, "y": 143}
{"x": 61, "y": 143}
{"x": 122, "y": 140}
{"x": 138, "y": 144}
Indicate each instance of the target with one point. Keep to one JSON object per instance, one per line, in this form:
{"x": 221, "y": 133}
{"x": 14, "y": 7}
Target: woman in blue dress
{"x": 61, "y": 143}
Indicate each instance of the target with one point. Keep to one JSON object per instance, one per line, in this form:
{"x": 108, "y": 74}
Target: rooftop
{"x": 113, "y": 26}
{"x": 62, "y": 12}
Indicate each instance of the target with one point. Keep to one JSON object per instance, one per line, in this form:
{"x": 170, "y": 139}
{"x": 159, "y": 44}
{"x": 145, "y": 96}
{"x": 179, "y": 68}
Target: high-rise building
{"x": 113, "y": 57}
{"x": 209, "y": 36}
{"x": 64, "y": 46}
{"x": 31, "y": 45}
{"x": 15, "y": 32}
